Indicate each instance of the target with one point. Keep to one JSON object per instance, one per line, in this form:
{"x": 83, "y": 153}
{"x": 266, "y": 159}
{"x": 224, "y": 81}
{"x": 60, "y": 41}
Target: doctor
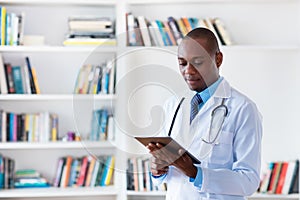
{"x": 227, "y": 141}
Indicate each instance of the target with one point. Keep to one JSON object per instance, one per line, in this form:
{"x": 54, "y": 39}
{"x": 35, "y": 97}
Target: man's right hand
{"x": 158, "y": 166}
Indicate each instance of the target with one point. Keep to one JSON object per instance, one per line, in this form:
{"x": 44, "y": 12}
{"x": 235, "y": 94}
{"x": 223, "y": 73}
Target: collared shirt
{"x": 205, "y": 95}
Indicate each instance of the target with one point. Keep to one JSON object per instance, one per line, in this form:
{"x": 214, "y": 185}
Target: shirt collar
{"x": 209, "y": 91}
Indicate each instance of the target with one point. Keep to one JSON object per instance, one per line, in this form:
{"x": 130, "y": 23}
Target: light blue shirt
{"x": 205, "y": 95}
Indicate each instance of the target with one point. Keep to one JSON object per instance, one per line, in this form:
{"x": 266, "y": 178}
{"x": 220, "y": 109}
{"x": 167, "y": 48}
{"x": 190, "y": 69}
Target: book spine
{"x": 32, "y": 86}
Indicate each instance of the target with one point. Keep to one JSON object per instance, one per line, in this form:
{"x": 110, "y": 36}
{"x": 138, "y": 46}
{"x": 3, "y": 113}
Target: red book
{"x": 281, "y": 178}
{"x": 82, "y": 172}
{"x": 274, "y": 177}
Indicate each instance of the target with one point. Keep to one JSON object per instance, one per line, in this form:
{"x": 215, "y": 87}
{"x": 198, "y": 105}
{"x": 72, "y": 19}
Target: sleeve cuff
{"x": 198, "y": 180}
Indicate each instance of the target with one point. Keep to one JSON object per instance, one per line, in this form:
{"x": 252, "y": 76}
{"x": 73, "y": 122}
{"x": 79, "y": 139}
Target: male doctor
{"x": 223, "y": 130}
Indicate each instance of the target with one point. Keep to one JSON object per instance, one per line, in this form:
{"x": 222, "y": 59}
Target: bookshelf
{"x": 262, "y": 50}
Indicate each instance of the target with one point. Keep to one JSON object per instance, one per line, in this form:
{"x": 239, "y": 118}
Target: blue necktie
{"x": 196, "y": 100}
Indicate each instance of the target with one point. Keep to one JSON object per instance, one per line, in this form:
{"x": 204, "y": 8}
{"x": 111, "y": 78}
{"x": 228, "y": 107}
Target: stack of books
{"x": 101, "y": 125}
{"x": 139, "y": 176}
{"x": 11, "y": 28}
{"x": 142, "y": 32}
{"x": 87, "y": 30}
{"x": 15, "y": 79}
{"x": 96, "y": 79}
{"x": 29, "y": 178}
{"x": 87, "y": 171}
{"x": 7, "y": 170}
{"x": 280, "y": 177}
{"x": 37, "y": 127}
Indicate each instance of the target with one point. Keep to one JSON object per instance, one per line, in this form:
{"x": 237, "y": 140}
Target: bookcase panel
{"x": 51, "y": 20}
{"x": 248, "y": 23}
{"x": 270, "y": 79}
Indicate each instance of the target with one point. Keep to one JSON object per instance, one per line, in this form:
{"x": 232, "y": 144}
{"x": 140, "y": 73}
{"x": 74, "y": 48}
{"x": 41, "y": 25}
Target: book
{"x": 290, "y": 177}
{"x": 144, "y": 30}
{"x": 86, "y": 41}
{"x": 222, "y": 31}
{"x": 59, "y": 171}
{"x": 281, "y": 178}
{"x": 3, "y": 25}
{"x": 31, "y": 79}
{"x": 9, "y": 78}
{"x": 3, "y": 81}
{"x": 35, "y": 81}
{"x": 274, "y": 177}
{"x": 17, "y": 78}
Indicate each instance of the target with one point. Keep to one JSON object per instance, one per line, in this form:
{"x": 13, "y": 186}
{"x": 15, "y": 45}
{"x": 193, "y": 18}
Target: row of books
{"x": 280, "y": 178}
{"x": 87, "y": 171}
{"x": 7, "y": 169}
{"x": 139, "y": 176}
{"x": 29, "y": 178}
{"x": 142, "y": 32}
{"x": 18, "y": 79}
{"x": 12, "y": 28}
{"x": 38, "y": 127}
{"x": 102, "y": 125}
{"x": 96, "y": 79}
{"x": 90, "y": 30}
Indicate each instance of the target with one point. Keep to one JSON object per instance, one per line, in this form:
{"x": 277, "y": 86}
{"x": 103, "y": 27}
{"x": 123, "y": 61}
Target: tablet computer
{"x": 169, "y": 143}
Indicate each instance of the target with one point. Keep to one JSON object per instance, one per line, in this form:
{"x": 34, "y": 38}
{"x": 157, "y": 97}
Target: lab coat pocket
{"x": 222, "y": 151}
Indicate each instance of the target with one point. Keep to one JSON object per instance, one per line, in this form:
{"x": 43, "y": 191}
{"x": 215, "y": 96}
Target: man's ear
{"x": 219, "y": 59}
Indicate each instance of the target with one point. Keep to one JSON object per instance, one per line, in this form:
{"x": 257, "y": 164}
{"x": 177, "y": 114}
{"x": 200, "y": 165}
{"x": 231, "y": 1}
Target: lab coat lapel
{"x": 223, "y": 91}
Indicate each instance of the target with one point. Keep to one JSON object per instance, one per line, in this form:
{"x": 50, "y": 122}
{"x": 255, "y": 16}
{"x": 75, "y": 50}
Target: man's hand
{"x": 163, "y": 158}
{"x": 158, "y": 166}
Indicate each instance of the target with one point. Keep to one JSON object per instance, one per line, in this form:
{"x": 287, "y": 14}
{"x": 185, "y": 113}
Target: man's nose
{"x": 190, "y": 68}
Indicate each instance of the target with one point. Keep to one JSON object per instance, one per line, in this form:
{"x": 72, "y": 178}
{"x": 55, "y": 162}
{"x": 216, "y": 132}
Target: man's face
{"x": 196, "y": 64}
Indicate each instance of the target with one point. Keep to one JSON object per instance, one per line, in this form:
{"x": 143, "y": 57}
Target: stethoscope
{"x": 211, "y": 139}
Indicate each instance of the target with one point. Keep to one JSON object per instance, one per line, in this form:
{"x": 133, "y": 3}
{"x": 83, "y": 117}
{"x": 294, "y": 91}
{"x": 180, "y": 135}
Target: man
{"x": 228, "y": 145}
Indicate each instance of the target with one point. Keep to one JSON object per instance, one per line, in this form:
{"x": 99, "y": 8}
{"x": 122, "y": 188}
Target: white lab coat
{"x": 231, "y": 171}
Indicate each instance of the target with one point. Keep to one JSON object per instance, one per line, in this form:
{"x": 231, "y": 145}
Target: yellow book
{"x": 3, "y": 25}
{"x": 54, "y": 127}
{"x": 35, "y": 81}
{"x": 110, "y": 171}
{"x": 90, "y": 41}
{"x": 27, "y": 121}
{"x": 182, "y": 27}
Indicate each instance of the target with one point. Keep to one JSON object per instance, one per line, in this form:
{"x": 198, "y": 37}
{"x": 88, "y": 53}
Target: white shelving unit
{"x": 263, "y": 64}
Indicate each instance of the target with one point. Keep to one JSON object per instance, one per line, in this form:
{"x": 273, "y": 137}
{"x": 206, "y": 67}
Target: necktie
{"x": 196, "y": 100}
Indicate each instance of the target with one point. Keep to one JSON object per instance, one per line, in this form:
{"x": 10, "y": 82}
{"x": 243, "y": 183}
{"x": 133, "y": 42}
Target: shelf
{"x": 58, "y": 192}
{"x": 63, "y": 97}
{"x": 56, "y": 145}
{"x": 145, "y": 2}
{"x": 225, "y": 48}
{"x": 59, "y": 49}
{"x": 150, "y": 193}
{"x": 273, "y": 196}
{"x": 65, "y": 2}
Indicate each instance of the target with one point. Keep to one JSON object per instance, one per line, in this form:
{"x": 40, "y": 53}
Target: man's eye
{"x": 197, "y": 63}
{"x": 182, "y": 63}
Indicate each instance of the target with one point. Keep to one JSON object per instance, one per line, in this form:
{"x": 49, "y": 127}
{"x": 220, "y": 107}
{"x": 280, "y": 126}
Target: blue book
{"x": 8, "y": 28}
{"x": 72, "y": 179}
{"x": 17, "y": 78}
{"x": 95, "y": 126}
{"x": 103, "y": 124}
{"x": 11, "y": 127}
{"x": 162, "y": 32}
{"x": 98, "y": 132}
{"x": 105, "y": 170}
{"x": 1, "y": 172}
